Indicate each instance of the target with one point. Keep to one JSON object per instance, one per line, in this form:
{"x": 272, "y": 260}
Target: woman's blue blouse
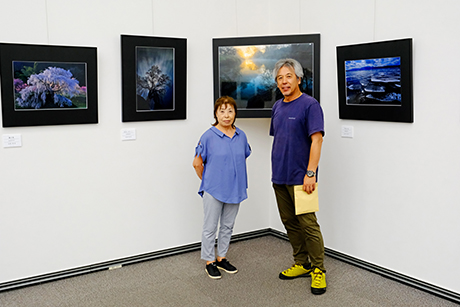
{"x": 224, "y": 176}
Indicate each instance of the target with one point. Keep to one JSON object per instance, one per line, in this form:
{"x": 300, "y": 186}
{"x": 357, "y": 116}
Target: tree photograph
{"x": 40, "y": 85}
{"x": 155, "y": 78}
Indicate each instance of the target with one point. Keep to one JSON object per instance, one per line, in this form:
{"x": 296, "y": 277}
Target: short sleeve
{"x": 200, "y": 150}
{"x": 248, "y": 149}
{"x": 315, "y": 119}
{"x": 272, "y": 130}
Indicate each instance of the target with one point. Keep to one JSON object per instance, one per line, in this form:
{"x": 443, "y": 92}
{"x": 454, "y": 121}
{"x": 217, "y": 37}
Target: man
{"x": 297, "y": 125}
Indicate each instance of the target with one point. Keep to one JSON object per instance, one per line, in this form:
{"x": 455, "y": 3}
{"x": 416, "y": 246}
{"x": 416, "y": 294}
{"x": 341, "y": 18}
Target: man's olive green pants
{"x": 303, "y": 230}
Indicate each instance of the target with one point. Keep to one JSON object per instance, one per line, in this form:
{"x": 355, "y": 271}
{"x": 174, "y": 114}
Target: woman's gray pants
{"x": 213, "y": 211}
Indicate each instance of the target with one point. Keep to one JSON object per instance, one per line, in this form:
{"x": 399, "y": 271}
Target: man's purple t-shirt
{"x": 292, "y": 125}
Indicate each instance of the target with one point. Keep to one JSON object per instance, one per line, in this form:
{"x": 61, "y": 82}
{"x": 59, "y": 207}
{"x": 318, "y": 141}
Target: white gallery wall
{"x": 77, "y": 195}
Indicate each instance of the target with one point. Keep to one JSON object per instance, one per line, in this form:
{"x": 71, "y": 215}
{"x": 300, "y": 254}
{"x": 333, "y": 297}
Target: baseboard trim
{"x": 409, "y": 281}
{"x": 420, "y": 285}
{"x": 20, "y": 283}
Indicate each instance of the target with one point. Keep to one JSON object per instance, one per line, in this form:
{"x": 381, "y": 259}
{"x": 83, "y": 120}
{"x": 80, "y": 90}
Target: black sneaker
{"x": 212, "y": 271}
{"x": 226, "y": 266}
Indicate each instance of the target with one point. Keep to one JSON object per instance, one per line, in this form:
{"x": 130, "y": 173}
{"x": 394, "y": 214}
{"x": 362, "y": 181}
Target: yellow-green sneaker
{"x": 295, "y": 271}
{"x": 318, "y": 282}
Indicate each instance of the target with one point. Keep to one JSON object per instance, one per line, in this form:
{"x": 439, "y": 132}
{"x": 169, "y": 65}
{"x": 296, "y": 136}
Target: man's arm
{"x": 315, "y": 154}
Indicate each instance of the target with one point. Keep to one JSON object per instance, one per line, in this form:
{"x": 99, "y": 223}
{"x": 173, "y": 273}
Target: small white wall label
{"x": 347, "y": 132}
{"x": 12, "y": 140}
{"x": 128, "y": 134}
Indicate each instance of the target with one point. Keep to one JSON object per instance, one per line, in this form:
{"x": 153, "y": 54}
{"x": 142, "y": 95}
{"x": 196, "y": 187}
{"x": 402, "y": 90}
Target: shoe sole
{"x": 282, "y": 276}
{"x": 317, "y": 291}
{"x": 213, "y": 277}
{"x": 229, "y": 272}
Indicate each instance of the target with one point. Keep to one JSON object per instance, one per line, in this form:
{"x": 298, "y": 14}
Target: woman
{"x": 220, "y": 162}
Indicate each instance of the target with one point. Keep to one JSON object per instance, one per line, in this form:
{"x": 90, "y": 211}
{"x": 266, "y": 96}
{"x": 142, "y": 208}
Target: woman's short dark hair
{"x": 225, "y": 100}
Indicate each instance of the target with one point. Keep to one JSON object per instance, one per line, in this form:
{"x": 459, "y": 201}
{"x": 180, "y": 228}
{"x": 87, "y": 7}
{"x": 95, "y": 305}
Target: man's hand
{"x": 309, "y": 184}
{"x": 198, "y": 166}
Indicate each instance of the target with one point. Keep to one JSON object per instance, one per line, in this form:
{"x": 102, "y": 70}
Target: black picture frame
{"x": 375, "y": 81}
{"x": 141, "y": 102}
{"x": 37, "y": 57}
{"x": 256, "y": 95}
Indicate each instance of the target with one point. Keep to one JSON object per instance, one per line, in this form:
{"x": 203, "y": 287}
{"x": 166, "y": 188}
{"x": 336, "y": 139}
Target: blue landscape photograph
{"x": 374, "y": 82}
{"x": 155, "y": 79}
{"x": 245, "y": 72}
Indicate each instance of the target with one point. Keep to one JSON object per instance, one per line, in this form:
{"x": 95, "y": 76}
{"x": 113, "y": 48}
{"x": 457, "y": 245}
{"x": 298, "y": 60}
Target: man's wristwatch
{"x": 311, "y": 174}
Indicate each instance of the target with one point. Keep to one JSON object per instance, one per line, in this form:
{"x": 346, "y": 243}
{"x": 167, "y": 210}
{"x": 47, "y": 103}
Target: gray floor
{"x": 181, "y": 281}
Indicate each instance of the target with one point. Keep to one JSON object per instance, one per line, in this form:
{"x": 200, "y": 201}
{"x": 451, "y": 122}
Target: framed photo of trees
{"x": 243, "y": 69}
{"x": 154, "y": 78}
{"x": 48, "y": 85}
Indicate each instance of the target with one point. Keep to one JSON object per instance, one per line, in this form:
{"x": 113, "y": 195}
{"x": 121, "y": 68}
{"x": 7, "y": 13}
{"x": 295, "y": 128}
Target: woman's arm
{"x": 198, "y": 166}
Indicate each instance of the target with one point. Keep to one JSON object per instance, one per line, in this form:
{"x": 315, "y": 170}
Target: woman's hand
{"x": 198, "y": 166}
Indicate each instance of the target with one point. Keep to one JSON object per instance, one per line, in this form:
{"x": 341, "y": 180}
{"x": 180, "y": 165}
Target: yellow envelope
{"x": 305, "y": 203}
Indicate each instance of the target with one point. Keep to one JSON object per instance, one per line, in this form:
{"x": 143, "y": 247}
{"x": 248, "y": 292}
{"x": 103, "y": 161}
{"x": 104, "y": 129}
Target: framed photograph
{"x": 48, "y": 85}
{"x": 154, "y": 78}
{"x": 243, "y": 68}
{"x": 375, "y": 81}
